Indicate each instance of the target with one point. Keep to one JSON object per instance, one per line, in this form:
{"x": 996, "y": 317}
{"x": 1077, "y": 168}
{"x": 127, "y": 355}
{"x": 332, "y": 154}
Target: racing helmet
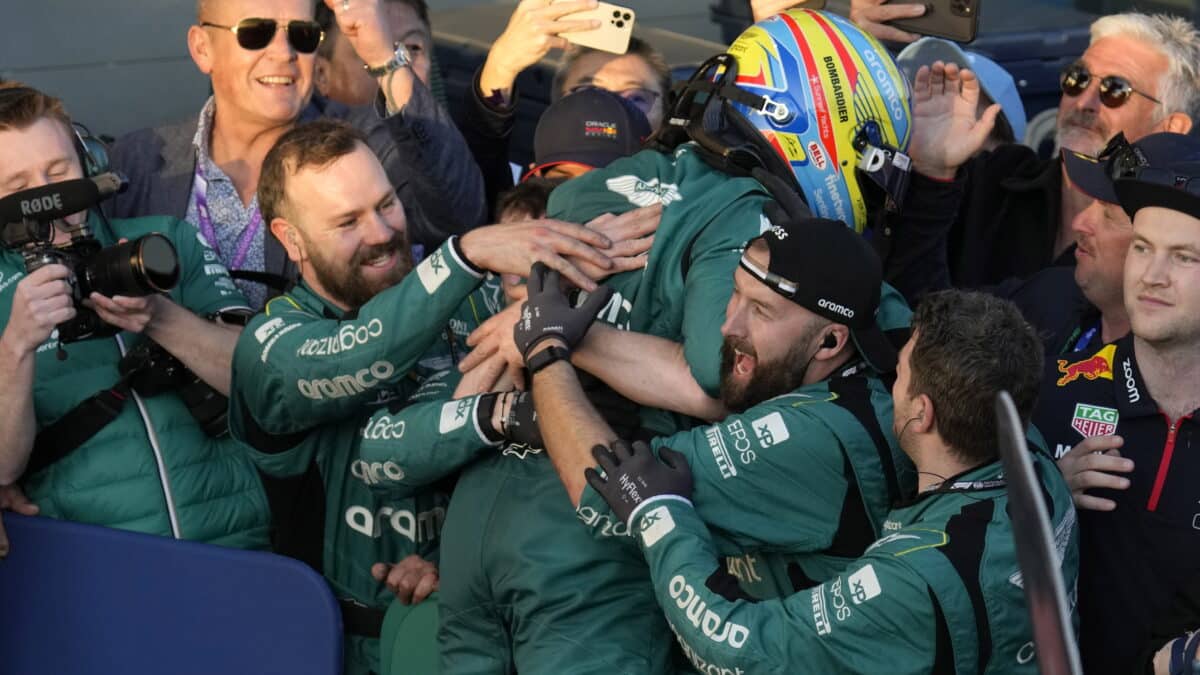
{"x": 828, "y": 104}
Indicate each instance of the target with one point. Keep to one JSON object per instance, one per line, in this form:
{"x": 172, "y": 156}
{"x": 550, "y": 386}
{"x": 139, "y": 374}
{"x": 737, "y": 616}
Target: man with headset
{"x": 144, "y": 462}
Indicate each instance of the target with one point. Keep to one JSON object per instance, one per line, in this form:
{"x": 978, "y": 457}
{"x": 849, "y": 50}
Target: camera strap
{"x": 78, "y": 425}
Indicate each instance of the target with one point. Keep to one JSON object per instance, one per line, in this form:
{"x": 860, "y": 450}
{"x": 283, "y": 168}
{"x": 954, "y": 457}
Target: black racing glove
{"x": 520, "y": 424}
{"x": 634, "y": 477}
{"x": 547, "y": 313}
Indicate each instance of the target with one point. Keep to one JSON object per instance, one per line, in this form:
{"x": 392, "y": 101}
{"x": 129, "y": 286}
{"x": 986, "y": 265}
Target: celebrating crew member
{"x": 320, "y": 373}
{"x": 938, "y": 593}
{"x": 105, "y": 436}
{"x": 1124, "y": 417}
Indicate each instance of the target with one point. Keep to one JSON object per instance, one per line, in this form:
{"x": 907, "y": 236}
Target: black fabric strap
{"x": 77, "y": 426}
{"x": 546, "y": 357}
{"x": 358, "y": 619}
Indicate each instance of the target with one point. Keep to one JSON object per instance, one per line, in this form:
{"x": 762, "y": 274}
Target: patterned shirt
{"x": 229, "y": 216}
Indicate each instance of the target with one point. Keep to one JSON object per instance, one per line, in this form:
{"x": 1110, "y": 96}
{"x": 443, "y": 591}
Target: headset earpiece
{"x": 93, "y": 153}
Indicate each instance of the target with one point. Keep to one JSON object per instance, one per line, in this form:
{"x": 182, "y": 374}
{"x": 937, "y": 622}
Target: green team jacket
{"x": 821, "y": 459}
{"x": 375, "y": 511}
{"x": 113, "y": 479}
{"x": 941, "y": 593}
{"x": 523, "y": 589}
{"x": 708, "y": 216}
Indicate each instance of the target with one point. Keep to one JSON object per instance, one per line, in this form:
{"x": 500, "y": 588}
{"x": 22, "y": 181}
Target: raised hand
{"x": 533, "y": 30}
{"x": 947, "y": 127}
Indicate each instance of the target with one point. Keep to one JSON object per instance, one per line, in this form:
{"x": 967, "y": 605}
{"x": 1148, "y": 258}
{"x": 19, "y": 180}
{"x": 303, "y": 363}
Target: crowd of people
{"x": 715, "y": 391}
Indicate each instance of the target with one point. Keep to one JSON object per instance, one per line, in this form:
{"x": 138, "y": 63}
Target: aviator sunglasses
{"x": 1114, "y": 89}
{"x": 254, "y": 34}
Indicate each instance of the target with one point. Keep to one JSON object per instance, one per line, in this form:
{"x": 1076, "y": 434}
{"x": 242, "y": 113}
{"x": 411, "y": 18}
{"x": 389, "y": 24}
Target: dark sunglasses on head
{"x": 1114, "y": 89}
{"x": 254, "y": 34}
{"x": 1126, "y": 161}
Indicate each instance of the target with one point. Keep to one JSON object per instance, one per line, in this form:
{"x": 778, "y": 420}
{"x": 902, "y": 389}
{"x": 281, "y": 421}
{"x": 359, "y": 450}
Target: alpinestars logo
{"x": 644, "y": 193}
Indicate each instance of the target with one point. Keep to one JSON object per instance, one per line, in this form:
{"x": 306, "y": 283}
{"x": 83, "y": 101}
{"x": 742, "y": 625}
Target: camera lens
{"x": 617, "y": 14}
{"x": 133, "y": 268}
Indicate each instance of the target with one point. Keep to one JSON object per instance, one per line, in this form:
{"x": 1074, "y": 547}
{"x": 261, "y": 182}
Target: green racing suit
{"x": 940, "y": 593}
{"x": 299, "y": 416}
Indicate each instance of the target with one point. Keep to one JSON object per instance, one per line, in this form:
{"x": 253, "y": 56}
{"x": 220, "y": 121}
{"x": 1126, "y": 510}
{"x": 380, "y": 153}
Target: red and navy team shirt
{"x": 1134, "y": 559}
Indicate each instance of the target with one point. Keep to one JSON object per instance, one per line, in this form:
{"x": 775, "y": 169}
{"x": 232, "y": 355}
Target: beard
{"x": 347, "y": 284}
{"x": 769, "y": 380}
{"x": 1082, "y": 132}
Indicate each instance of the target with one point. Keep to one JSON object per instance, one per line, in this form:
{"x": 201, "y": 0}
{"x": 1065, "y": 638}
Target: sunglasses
{"x": 1127, "y": 162}
{"x": 1114, "y": 89}
{"x": 642, "y": 99}
{"x": 254, "y": 34}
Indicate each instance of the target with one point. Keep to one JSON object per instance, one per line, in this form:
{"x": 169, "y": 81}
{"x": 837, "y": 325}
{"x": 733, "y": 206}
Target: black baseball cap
{"x": 825, "y": 267}
{"x": 1152, "y": 172}
{"x": 1159, "y": 170}
{"x": 592, "y": 127}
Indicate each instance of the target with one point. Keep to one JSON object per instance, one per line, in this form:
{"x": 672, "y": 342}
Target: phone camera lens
{"x": 627, "y": 16}
{"x": 620, "y": 24}
{"x": 617, "y": 14}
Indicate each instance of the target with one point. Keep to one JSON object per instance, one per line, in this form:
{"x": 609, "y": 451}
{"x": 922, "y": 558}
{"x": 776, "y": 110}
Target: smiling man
{"x": 810, "y": 441}
{"x": 319, "y": 373}
{"x": 1129, "y": 410}
{"x": 259, "y": 55}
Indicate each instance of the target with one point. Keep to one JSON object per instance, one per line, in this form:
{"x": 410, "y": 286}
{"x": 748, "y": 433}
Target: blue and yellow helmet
{"x": 830, "y": 101}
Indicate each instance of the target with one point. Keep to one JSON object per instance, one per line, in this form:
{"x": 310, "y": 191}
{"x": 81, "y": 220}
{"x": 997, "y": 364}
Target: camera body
{"x": 29, "y": 221}
{"x": 152, "y": 371}
{"x": 132, "y": 268}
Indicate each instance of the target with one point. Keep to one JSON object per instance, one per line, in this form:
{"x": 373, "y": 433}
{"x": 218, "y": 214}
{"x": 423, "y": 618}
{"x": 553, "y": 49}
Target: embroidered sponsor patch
{"x": 656, "y": 524}
{"x": 770, "y": 430}
{"x": 433, "y": 271}
{"x": 1095, "y": 367}
{"x": 454, "y": 415}
{"x": 1093, "y": 420}
{"x": 644, "y": 193}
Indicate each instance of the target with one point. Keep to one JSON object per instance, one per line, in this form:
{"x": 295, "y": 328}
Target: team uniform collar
{"x": 1129, "y": 389}
{"x": 309, "y": 300}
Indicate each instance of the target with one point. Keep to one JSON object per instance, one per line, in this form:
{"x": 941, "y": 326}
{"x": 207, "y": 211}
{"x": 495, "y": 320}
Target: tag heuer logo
{"x": 644, "y": 193}
{"x": 1091, "y": 420}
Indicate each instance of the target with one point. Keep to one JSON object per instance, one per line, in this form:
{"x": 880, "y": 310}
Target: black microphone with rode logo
{"x": 28, "y": 221}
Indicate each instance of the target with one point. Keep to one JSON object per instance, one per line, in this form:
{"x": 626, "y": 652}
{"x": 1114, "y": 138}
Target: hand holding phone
{"x": 536, "y": 27}
{"x": 956, "y": 20}
{"x": 614, "y": 30}
{"x": 874, "y": 16}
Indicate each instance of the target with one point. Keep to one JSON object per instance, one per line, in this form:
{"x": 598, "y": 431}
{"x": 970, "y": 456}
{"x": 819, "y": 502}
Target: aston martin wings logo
{"x": 644, "y": 193}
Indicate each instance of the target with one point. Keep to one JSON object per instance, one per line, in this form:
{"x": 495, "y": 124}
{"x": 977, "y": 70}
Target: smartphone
{"x": 956, "y": 20}
{"x": 616, "y": 27}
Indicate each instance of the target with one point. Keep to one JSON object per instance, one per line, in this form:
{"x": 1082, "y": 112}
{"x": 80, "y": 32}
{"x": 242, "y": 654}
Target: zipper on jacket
{"x": 1164, "y": 465}
{"x": 152, "y": 435}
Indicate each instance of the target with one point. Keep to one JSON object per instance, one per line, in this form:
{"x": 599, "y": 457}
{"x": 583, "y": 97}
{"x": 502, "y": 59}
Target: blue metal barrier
{"x": 77, "y": 599}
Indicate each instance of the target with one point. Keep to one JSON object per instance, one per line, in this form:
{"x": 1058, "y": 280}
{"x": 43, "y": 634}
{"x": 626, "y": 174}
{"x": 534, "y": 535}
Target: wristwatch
{"x": 546, "y": 357}
{"x": 400, "y": 58}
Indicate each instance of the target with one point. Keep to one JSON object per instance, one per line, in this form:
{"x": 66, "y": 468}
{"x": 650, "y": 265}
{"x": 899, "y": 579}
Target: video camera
{"x": 28, "y": 220}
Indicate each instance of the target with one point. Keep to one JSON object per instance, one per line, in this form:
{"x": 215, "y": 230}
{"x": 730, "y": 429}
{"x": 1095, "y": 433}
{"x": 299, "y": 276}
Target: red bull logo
{"x": 1095, "y": 367}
